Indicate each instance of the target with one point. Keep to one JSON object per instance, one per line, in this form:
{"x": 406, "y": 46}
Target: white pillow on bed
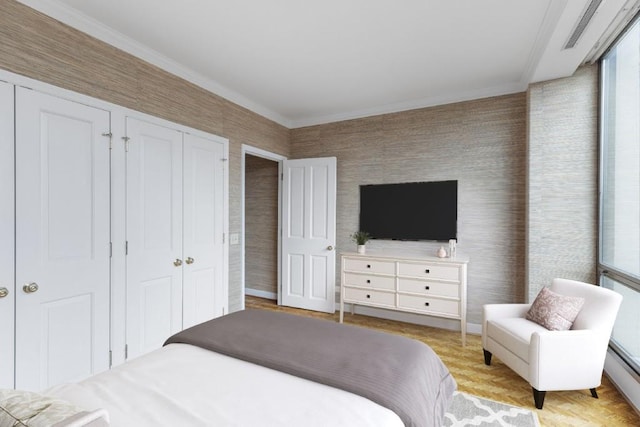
{"x": 25, "y": 408}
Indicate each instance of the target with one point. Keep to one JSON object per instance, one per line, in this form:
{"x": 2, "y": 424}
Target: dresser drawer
{"x": 422, "y": 287}
{"x": 370, "y": 281}
{"x": 369, "y": 297}
{"x": 429, "y": 305}
{"x": 431, "y": 271}
{"x": 370, "y": 266}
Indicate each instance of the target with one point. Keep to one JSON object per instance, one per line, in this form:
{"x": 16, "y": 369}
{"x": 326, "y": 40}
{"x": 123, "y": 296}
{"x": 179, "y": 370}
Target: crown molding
{"x": 551, "y": 18}
{"x": 81, "y": 22}
{"x": 500, "y": 90}
{"x": 69, "y": 16}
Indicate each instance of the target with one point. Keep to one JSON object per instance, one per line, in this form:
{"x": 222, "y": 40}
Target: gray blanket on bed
{"x": 399, "y": 373}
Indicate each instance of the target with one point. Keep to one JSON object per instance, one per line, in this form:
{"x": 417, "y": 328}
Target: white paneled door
{"x": 203, "y": 268}
{"x": 62, "y": 240}
{"x": 7, "y": 291}
{"x": 308, "y": 233}
{"x": 154, "y": 235}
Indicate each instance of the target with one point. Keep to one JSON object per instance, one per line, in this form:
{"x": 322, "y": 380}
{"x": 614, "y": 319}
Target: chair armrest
{"x": 497, "y": 311}
{"x": 500, "y": 311}
{"x": 566, "y": 360}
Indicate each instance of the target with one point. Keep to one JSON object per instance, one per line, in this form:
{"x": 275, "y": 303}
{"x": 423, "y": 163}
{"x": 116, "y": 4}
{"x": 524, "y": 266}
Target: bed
{"x": 262, "y": 368}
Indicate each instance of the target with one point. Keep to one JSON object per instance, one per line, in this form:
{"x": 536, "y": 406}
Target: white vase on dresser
{"x": 423, "y": 285}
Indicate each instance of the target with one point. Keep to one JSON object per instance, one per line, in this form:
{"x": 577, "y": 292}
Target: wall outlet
{"x": 234, "y": 238}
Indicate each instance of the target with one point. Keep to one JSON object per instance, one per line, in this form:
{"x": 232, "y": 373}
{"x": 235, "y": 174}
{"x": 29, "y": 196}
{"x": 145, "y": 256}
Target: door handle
{"x": 30, "y": 288}
{"x": 177, "y": 262}
{"x": 4, "y": 292}
{"x": 329, "y": 248}
{"x": 190, "y": 260}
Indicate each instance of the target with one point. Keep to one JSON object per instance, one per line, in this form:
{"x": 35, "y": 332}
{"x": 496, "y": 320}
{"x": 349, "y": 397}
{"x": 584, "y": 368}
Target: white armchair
{"x": 553, "y": 360}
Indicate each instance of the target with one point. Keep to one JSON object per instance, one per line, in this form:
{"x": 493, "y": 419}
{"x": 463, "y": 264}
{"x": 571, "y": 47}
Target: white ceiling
{"x": 308, "y": 62}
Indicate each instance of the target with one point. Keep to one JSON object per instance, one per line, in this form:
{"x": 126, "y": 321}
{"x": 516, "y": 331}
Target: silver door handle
{"x": 329, "y": 248}
{"x": 30, "y": 288}
{"x": 190, "y": 260}
{"x": 177, "y": 262}
{"x": 4, "y": 292}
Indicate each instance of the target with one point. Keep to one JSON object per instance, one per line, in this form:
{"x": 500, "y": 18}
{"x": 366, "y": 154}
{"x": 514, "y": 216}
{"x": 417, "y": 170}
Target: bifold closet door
{"x": 203, "y": 270}
{"x": 62, "y": 240}
{"x": 154, "y": 235}
{"x": 7, "y": 289}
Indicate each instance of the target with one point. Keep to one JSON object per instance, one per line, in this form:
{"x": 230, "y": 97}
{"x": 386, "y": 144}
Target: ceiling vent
{"x": 582, "y": 24}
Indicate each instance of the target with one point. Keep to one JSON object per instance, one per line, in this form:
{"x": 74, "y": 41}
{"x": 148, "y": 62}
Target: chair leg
{"x": 538, "y": 397}
{"x": 487, "y": 357}
{"x": 593, "y": 392}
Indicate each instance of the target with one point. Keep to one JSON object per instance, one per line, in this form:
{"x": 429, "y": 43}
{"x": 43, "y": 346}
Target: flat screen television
{"x": 410, "y": 211}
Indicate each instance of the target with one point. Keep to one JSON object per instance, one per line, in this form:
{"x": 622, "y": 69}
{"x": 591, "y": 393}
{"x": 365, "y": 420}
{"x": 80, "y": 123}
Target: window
{"x": 619, "y": 260}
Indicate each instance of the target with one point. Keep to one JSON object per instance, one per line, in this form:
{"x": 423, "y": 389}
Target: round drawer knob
{"x": 4, "y": 292}
{"x": 368, "y": 265}
{"x": 427, "y": 271}
{"x": 427, "y": 304}
{"x": 368, "y": 296}
{"x": 426, "y": 287}
{"x": 368, "y": 281}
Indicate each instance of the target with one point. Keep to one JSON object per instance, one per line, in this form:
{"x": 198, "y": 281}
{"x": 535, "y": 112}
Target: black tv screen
{"x": 410, "y": 211}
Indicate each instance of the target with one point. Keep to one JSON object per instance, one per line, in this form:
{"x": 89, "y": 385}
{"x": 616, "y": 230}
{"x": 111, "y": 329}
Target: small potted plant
{"x": 361, "y": 238}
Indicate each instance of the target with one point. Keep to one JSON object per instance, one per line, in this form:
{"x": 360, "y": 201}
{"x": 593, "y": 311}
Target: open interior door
{"x": 309, "y": 233}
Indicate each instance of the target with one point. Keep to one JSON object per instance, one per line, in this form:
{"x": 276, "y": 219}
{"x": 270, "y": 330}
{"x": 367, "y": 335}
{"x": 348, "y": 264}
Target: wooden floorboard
{"x": 497, "y": 382}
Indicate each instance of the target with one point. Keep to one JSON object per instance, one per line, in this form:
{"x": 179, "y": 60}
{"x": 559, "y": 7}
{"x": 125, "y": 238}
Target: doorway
{"x": 298, "y": 196}
{"x": 261, "y": 209}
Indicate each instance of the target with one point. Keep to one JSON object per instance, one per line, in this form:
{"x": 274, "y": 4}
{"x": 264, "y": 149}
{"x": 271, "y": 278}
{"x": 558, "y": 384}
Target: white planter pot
{"x": 362, "y": 249}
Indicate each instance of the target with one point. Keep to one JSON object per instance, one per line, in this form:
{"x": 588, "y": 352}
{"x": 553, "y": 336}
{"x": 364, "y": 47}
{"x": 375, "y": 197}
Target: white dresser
{"x": 423, "y": 285}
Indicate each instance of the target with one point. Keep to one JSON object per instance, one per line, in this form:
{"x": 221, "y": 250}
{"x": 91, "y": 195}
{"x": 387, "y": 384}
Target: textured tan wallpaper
{"x": 42, "y": 48}
{"x": 261, "y": 224}
{"x": 563, "y": 180}
{"x": 482, "y": 144}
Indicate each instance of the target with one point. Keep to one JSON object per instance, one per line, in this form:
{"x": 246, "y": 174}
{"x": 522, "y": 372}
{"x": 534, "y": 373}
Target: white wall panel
{"x": 318, "y": 277}
{"x": 156, "y": 306}
{"x": 296, "y": 274}
{"x": 320, "y": 208}
{"x": 296, "y": 207}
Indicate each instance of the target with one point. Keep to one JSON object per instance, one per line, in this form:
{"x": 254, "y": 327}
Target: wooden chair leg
{"x": 538, "y": 397}
{"x": 593, "y": 392}
{"x": 487, "y": 357}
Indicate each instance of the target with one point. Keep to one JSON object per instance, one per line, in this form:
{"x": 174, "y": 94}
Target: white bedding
{"x": 183, "y": 385}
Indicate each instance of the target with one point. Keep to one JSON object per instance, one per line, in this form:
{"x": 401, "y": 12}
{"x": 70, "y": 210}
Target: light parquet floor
{"x": 497, "y": 382}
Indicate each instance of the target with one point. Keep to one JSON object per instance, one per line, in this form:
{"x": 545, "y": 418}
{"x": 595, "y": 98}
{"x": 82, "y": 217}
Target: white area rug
{"x": 469, "y": 410}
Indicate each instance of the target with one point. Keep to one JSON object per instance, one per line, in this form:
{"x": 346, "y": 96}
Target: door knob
{"x": 4, "y": 292}
{"x": 190, "y": 260}
{"x": 30, "y": 288}
{"x": 329, "y": 248}
{"x": 177, "y": 262}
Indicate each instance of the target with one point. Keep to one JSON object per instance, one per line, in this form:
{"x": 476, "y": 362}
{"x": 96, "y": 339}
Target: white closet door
{"x": 203, "y": 270}
{"x": 6, "y": 236}
{"x": 154, "y": 235}
{"x": 62, "y": 240}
